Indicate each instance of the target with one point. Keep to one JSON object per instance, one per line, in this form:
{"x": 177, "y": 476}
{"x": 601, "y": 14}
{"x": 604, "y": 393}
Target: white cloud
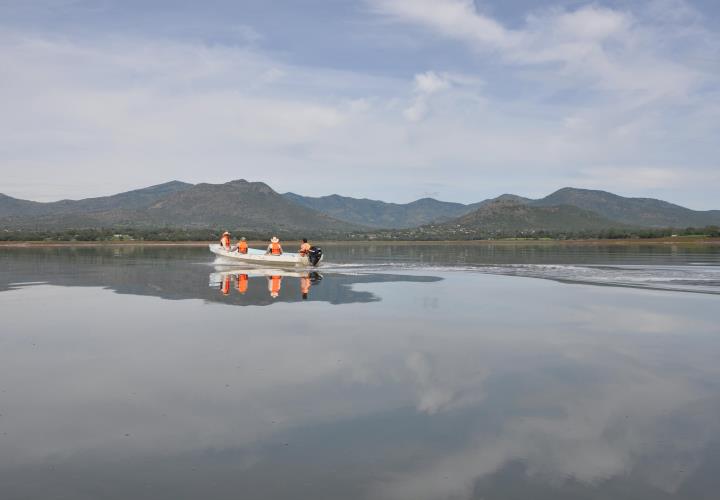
{"x": 430, "y": 82}
{"x": 594, "y": 46}
{"x": 453, "y": 18}
{"x": 571, "y": 94}
{"x": 426, "y": 84}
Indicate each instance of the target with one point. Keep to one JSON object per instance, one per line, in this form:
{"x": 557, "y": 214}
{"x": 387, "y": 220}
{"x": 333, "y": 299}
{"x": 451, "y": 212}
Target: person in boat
{"x": 274, "y": 247}
{"x": 274, "y": 284}
{"x": 304, "y": 247}
{"x": 225, "y": 240}
{"x": 242, "y": 245}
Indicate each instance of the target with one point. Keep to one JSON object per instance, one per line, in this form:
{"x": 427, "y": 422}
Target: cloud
{"x": 426, "y": 85}
{"x": 452, "y": 18}
{"x": 560, "y": 98}
{"x": 592, "y": 46}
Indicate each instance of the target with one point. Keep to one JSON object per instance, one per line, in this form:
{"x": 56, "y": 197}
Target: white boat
{"x": 262, "y": 258}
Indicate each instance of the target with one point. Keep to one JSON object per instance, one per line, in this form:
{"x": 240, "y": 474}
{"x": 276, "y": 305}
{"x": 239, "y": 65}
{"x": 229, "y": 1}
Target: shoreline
{"x": 700, "y": 241}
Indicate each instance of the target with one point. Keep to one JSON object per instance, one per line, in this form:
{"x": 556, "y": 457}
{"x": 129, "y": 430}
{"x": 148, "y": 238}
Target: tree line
{"x": 213, "y": 234}
{"x": 152, "y": 234}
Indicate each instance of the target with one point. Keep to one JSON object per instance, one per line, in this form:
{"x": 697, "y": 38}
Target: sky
{"x": 384, "y": 99}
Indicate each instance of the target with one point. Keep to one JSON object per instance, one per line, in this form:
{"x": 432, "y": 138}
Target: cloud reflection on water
{"x": 462, "y": 387}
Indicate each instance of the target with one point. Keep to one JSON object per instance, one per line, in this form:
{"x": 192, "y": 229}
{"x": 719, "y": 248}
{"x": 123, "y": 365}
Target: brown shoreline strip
{"x": 591, "y": 242}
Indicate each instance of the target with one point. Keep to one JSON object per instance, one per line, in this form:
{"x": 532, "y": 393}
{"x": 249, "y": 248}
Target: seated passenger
{"x": 274, "y": 247}
{"x": 304, "y": 247}
{"x": 242, "y": 245}
{"x": 225, "y": 241}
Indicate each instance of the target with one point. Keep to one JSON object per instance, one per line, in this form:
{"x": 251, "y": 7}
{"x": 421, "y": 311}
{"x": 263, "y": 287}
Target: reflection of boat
{"x": 217, "y": 276}
{"x": 255, "y": 256}
{"x": 241, "y": 276}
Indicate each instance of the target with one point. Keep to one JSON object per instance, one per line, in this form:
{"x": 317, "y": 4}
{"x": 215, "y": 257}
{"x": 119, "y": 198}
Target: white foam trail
{"x": 689, "y": 278}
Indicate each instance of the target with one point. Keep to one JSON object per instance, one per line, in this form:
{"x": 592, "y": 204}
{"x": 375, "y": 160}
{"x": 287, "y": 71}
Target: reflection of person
{"x": 225, "y": 240}
{"x": 305, "y": 286}
{"x": 304, "y": 247}
{"x": 225, "y": 285}
{"x": 242, "y": 283}
{"x": 274, "y": 247}
{"x": 242, "y": 245}
{"x": 274, "y": 284}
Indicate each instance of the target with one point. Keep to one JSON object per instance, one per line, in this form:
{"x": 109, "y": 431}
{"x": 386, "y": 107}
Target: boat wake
{"x": 697, "y": 278}
{"x": 701, "y": 279}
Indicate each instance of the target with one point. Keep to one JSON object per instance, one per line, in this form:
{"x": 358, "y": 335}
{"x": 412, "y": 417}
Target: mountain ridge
{"x": 644, "y": 212}
{"x": 133, "y": 198}
{"x": 256, "y": 206}
{"x": 525, "y": 218}
{"x": 237, "y": 204}
{"x": 380, "y": 214}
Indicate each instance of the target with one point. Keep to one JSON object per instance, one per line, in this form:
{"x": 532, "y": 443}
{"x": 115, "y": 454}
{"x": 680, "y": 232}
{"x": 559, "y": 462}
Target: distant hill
{"x": 237, "y": 204}
{"x": 380, "y": 214}
{"x": 256, "y": 207}
{"x": 130, "y": 200}
{"x": 504, "y": 216}
{"x": 639, "y": 212}
{"x": 513, "y": 198}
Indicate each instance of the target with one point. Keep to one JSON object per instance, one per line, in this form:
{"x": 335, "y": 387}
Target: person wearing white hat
{"x": 225, "y": 240}
{"x": 274, "y": 247}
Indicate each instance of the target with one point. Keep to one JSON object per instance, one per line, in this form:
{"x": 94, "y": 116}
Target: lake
{"x": 405, "y": 371}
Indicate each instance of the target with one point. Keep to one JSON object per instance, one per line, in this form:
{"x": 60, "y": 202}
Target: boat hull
{"x": 261, "y": 258}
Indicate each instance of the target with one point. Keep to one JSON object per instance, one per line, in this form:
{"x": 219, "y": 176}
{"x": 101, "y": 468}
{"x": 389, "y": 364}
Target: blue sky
{"x": 386, "y": 99}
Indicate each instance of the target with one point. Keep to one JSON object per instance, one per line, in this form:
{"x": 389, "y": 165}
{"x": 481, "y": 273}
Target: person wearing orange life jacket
{"x": 304, "y": 247}
{"x": 274, "y": 284}
{"x": 242, "y": 245}
{"x": 305, "y": 286}
{"x": 242, "y": 283}
{"x": 225, "y": 240}
{"x": 274, "y": 247}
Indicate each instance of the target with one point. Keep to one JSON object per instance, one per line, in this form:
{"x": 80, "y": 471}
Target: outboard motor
{"x": 315, "y": 255}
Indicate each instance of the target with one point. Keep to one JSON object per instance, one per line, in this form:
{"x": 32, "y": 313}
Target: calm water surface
{"x": 393, "y": 372}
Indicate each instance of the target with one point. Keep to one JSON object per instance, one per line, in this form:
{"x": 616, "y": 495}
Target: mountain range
{"x": 508, "y": 216}
{"x": 255, "y": 206}
{"x": 239, "y": 204}
{"x": 608, "y": 210}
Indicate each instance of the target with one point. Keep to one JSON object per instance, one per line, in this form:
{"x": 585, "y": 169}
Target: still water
{"x": 392, "y": 372}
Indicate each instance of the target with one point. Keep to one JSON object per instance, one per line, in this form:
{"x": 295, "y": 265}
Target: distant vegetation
{"x": 174, "y": 234}
{"x": 442, "y": 234}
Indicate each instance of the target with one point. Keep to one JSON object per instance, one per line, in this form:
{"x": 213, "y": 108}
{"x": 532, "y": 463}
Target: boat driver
{"x": 304, "y": 247}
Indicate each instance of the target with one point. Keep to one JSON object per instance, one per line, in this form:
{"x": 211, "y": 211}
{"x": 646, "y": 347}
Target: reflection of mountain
{"x": 177, "y": 274}
{"x": 477, "y": 387}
